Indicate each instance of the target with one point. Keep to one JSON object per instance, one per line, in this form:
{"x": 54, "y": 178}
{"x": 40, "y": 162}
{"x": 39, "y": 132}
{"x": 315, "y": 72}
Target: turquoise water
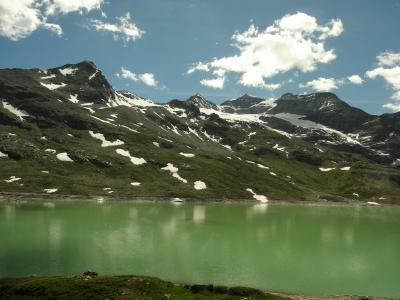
{"x": 294, "y": 248}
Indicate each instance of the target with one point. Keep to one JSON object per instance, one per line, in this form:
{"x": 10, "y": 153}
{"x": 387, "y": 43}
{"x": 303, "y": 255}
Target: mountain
{"x": 66, "y": 131}
{"x": 247, "y": 104}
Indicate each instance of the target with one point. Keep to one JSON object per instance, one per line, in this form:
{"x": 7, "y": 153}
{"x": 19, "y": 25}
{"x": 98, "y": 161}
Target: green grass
{"x": 119, "y": 287}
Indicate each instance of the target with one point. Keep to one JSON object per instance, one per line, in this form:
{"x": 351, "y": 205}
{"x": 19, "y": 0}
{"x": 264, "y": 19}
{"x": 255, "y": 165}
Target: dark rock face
{"x": 245, "y": 101}
{"x": 323, "y": 108}
{"x": 84, "y": 80}
{"x": 192, "y": 111}
{"x": 5, "y": 119}
{"x": 307, "y": 158}
{"x": 246, "y": 104}
{"x": 199, "y": 101}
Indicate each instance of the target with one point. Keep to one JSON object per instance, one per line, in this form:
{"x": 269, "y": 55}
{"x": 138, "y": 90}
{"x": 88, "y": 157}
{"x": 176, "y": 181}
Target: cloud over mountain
{"x": 146, "y": 78}
{"x": 389, "y": 69}
{"x": 294, "y": 42}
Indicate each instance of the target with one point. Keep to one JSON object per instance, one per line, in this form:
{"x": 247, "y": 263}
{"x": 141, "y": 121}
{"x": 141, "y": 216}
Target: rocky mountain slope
{"x": 67, "y": 131}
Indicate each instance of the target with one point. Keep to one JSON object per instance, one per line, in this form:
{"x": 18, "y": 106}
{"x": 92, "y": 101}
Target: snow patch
{"x": 73, "y": 98}
{"x": 103, "y": 121}
{"x": 282, "y": 149}
{"x": 199, "y": 185}
{"x": 3, "y": 154}
{"x": 52, "y": 86}
{"x": 326, "y": 169}
{"x": 49, "y": 76}
{"x": 89, "y": 109}
{"x": 135, "y": 183}
{"x": 174, "y": 172}
{"x": 93, "y": 75}
{"x": 64, "y": 157}
{"x": 50, "y": 191}
{"x": 156, "y": 144}
{"x": 68, "y": 71}
{"x": 104, "y": 142}
{"x": 12, "y": 179}
{"x": 260, "y": 198}
{"x": 134, "y": 160}
{"x": 133, "y": 100}
{"x": 373, "y": 203}
{"x": 130, "y": 129}
{"x": 345, "y": 168}
{"x": 195, "y": 133}
{"x": 187, "y": 154}
{"x": 15, "y": 111}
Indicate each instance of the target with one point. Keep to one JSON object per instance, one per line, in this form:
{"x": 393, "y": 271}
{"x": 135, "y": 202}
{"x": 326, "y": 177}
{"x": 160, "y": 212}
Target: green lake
{"x": 309, "y": 249}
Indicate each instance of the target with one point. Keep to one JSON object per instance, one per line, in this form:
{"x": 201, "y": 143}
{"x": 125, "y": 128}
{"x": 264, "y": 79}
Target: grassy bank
{"x": 119, "y": 287}
{"x": 132, "y": 287}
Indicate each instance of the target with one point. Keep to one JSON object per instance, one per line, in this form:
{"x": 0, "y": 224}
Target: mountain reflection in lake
{"x": 295, "y": 248}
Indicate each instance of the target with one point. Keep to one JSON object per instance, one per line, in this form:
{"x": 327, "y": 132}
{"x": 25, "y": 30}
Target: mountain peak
{"x": 245, "y": 101}
{"x": 323, "y": 107}
{"x": 199, "y": 101}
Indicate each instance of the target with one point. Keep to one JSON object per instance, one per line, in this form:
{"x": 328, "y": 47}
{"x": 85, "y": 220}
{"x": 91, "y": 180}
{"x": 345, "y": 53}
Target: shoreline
{"x": 6, "y": 197}
{"x": 91, "y": 286}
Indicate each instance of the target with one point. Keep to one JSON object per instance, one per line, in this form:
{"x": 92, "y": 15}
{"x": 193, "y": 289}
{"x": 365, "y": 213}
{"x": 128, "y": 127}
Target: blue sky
{"x": 167, "y": 38}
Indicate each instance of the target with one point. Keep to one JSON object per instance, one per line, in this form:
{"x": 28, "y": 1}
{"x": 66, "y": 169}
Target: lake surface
{"x": 295, "y": 248}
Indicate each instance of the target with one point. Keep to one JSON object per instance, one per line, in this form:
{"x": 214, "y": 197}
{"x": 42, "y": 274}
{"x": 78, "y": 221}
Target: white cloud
{"x": 125, "y": 73}
{"x": 146, "y": 78}
{"x": 392, "y": 106}
{"x": 20, "y": 18}
{"x": 216, "y": 83}
{"x": 392, "y": 77}
{"x": 67, "y": 6}
{"x": 388, "y": 58}
{"x": 389, "y": 69}
{"x": 355, "y": 79}
{"x": 124, "y": 29}
{"x": 323, "y": 84}
{"x": 294, "y": 42}
{"x": 198, "y": 67}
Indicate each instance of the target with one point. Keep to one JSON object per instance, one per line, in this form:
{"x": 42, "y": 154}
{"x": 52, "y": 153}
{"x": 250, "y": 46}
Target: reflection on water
{"x": 199, "y": 214}
{"x": 307, "y": 249}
